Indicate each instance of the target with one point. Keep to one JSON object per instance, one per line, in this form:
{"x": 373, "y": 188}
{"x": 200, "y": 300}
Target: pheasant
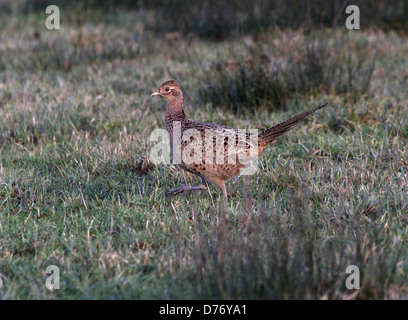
{"x": 214, "y": 152}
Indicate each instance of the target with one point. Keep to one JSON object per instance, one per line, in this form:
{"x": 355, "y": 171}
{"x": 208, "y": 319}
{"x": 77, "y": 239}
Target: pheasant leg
{"x": 202, "y": 186}
{"x": 184, "y": 189}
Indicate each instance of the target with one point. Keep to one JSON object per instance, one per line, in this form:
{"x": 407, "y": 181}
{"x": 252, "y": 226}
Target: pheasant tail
{"x": 267, "y": 136}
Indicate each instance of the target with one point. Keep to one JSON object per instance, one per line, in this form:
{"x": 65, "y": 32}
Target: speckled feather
{"x": 199, "y": 163}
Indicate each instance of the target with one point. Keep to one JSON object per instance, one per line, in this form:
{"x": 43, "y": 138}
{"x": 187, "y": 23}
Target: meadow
{"x": 78, "y": 189}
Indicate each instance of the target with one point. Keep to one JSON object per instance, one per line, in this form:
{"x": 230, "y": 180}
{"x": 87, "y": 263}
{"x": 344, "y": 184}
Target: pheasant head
{"x": 169, "y": 90}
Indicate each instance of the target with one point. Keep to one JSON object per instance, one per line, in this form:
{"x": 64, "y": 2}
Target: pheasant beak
{"x": 155, "y": 94}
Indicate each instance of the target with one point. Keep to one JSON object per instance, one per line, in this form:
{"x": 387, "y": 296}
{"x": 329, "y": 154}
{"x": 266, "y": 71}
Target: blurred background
{"x": 219, "y": 20}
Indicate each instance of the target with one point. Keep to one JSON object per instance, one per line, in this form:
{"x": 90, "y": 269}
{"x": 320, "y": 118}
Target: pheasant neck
{"x": 175, "y": 109}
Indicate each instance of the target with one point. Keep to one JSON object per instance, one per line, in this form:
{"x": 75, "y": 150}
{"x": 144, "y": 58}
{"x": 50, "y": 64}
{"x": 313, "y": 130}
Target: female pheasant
{"x": 214, "y": 152}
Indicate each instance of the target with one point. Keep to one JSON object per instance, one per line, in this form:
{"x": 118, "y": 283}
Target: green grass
{"x": 77, "y": 189}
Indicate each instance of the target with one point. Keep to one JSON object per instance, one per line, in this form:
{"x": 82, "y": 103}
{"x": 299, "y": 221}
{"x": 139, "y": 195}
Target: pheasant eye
{"x": 167, "y": 89}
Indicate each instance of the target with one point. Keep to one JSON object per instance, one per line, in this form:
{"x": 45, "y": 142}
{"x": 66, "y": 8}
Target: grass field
{"x": 78, "y": 189}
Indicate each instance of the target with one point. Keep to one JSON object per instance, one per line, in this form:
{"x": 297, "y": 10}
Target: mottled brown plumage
{"x": 229, "y": 150}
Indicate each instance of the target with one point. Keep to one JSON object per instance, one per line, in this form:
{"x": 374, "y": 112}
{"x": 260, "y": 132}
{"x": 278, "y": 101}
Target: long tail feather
{"x": 272, "y": 133}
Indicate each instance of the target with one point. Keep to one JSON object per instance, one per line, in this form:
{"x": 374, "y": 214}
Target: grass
{"x": 77, "y": 189}
{"x": 312, "y": 64}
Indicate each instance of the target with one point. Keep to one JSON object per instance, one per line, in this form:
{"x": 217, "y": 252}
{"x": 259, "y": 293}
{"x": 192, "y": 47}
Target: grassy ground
{"x": 77, "y": 189}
